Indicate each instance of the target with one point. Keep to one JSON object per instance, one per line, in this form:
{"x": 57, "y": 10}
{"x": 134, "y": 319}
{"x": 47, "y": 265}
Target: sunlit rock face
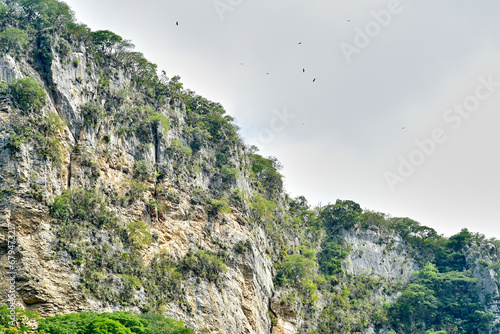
{"x": 98, "y": 156}
{"x": 46, "y": 280}
{"x": 378, "y": 253}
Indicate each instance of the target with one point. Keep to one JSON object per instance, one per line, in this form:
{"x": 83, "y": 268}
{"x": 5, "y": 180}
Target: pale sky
{"x": 402, "y": 117}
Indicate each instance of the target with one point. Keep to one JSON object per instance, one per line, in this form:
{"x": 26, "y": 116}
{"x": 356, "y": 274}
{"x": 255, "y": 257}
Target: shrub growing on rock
{"x": 28, "y": 95}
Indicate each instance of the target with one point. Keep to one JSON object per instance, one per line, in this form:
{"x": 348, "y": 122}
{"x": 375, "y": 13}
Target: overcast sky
{"x": 402, "y": 117}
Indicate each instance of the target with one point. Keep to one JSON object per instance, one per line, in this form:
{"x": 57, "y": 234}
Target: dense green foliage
{"x": 204, "y": 264}
{"x": 106, "y": 41}
{"x": 43, "y": 132}
{"x": 351, "y": 307}
{"x": 209, "y": 116}
{"x": 265, "y": 171}
{"x": 92, "y": 112}
{"x": 333, "y": 252}
{"x": 13, "y": 40}
{"x": 159, "y": 120}
{"x": 440, "y": 301}
{"x": 24, "y": 321}
{"x": 161, "y": 325}
{"x": 180, "y": 151}
{"x": 342, "y": 214}
{"x": 28, "y": 95}
{"x": 139, "y": 234}
{"x": 297, "y": 269}
{"x": 218, "y": 206}
{"x": 143, "y": 170}
{"x": 91, "y": 323}
{"x": 80, "y": 206}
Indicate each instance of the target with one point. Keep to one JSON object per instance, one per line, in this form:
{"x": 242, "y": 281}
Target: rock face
{"x": 483, "y": 262}
{"x": 46, "y": 280}
{"x": 96, "y": 154}
{"x": 378, "y": 253}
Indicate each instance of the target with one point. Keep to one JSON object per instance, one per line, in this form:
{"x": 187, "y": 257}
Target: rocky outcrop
{"x": 380, "y": 253}
{"x": 482, "y": 260}
{"x": 46, "y": 281}
{"x": 96, "y": 156}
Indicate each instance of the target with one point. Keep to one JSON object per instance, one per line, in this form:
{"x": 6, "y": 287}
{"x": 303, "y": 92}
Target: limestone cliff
{"x": 47, "y": 281}
{"x": 93, "y": 156}
{"x": 126, "y": 191}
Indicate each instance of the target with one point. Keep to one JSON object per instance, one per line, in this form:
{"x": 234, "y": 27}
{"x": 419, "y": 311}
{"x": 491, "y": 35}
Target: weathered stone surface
{"x": 245, "y": 301}
{"x": 378, "y": 253}
{"x": 46, "y": 281}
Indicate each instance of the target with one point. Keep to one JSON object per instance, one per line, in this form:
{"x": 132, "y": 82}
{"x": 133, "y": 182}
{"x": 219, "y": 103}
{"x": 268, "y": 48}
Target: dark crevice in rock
{"x": 271, "y": 311}
{"x": 69, "y": 170}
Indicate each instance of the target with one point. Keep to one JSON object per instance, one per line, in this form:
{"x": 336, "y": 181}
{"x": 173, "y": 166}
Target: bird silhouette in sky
{"x": 177, "y": 23}
{"x": 300, "y": 42}
{"x": 314, "y": 79}
{"x": 303, "y": 70}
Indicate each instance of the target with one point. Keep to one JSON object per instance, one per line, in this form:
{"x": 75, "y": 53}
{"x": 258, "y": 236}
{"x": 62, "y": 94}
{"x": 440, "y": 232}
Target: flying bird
{"x": 314, "y": 79}
{"x": 177, "y": 23}
{"x": 303, "y": 70}
{"x": 300, "y": 42}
